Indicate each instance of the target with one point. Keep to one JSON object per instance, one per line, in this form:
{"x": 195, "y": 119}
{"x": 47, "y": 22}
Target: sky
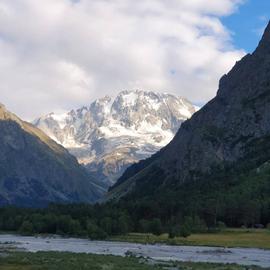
{"x": 248, "y": 23}
{"x": 63, "y": 54}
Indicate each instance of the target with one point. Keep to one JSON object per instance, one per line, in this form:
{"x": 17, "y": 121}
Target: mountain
{"x": 213, "y": 165}
{"x": 113, "y": 133}
{"x": 34, "y": 170}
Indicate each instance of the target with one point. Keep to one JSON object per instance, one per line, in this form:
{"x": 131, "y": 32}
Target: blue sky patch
{"x": 248, "y": 23}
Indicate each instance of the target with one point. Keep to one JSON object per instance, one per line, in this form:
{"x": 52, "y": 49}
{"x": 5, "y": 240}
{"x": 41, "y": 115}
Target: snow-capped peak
{"x": 117, "y": 131}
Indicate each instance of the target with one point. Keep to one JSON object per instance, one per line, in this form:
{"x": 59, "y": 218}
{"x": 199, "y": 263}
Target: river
{"x": 243, "y": 256}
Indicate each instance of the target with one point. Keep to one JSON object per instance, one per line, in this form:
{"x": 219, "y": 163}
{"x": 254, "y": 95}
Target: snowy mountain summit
{"x": 113, "y": 133}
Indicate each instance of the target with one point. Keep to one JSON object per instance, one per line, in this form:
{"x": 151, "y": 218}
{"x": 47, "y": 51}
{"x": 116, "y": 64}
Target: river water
{"x": 243, "y": 256}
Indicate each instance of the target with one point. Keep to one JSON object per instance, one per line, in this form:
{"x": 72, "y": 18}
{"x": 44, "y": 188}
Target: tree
{"x": 221, "y": 225}
{"x": 26, "y": 228}
{"x": 184, "y": 231}
{"x": 144, "y": 226}
{"x": 75, "y": 227}
{"x": 50, "y": 221}
{"x": 106, "y": 225}
{"x": 63, "y": 224}
{"x": 155, "y": 226}
{"x": 172, "y": 232}
{"x": 94, "y": 232}
{"x": 123, "y": 224}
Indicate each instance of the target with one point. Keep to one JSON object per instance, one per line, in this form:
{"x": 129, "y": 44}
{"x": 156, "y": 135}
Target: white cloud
{"x": 60, "y": 54}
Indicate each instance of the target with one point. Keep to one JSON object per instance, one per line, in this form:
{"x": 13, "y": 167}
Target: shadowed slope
{"x": 230, "y": 133}
{"x": 34, "y": 170}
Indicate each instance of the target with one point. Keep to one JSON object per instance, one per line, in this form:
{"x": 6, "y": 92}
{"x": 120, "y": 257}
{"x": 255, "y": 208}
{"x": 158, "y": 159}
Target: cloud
{"x": 62, "y": 54}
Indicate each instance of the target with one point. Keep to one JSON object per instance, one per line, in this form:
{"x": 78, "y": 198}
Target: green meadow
{"x": 249, "y": 238}
{"x": 71, "y": 261}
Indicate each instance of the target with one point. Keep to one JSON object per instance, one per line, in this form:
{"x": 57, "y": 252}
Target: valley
{"x": 135, "y": 179}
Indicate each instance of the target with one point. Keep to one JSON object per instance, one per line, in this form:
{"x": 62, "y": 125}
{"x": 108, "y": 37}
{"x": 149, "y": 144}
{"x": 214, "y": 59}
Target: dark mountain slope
{"x": 34, "y": 170}
{"x": 228, "y": 137}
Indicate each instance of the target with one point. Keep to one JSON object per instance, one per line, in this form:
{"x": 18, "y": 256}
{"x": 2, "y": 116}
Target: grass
{"x": 248, "y": 238}
{"x": 72, "y": 261}
{"x": 69, "y": 261}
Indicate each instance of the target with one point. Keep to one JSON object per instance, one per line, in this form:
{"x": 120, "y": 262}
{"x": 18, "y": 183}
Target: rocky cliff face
{"x": 113, "y": 133}
{"x": 34, "y": 170}
{"x": 231, "y": 131}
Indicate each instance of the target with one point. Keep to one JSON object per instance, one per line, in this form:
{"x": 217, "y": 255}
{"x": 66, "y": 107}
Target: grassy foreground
{"x": 71, "y": 261}
{"x": 249, "y": 238}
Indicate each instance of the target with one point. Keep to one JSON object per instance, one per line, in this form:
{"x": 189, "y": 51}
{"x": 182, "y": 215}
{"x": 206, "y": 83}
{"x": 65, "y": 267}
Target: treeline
{"x": 76, "y": 219}
{"x": 234, "y": 197}
{"x": 102, "y": 221}
{"x": 95, "y": 222}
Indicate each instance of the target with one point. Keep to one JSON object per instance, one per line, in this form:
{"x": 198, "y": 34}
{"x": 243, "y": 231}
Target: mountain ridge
{"x": 112, "y": 133}
{"x": 224, "y": 134}
{"x": 35, "y": 170}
